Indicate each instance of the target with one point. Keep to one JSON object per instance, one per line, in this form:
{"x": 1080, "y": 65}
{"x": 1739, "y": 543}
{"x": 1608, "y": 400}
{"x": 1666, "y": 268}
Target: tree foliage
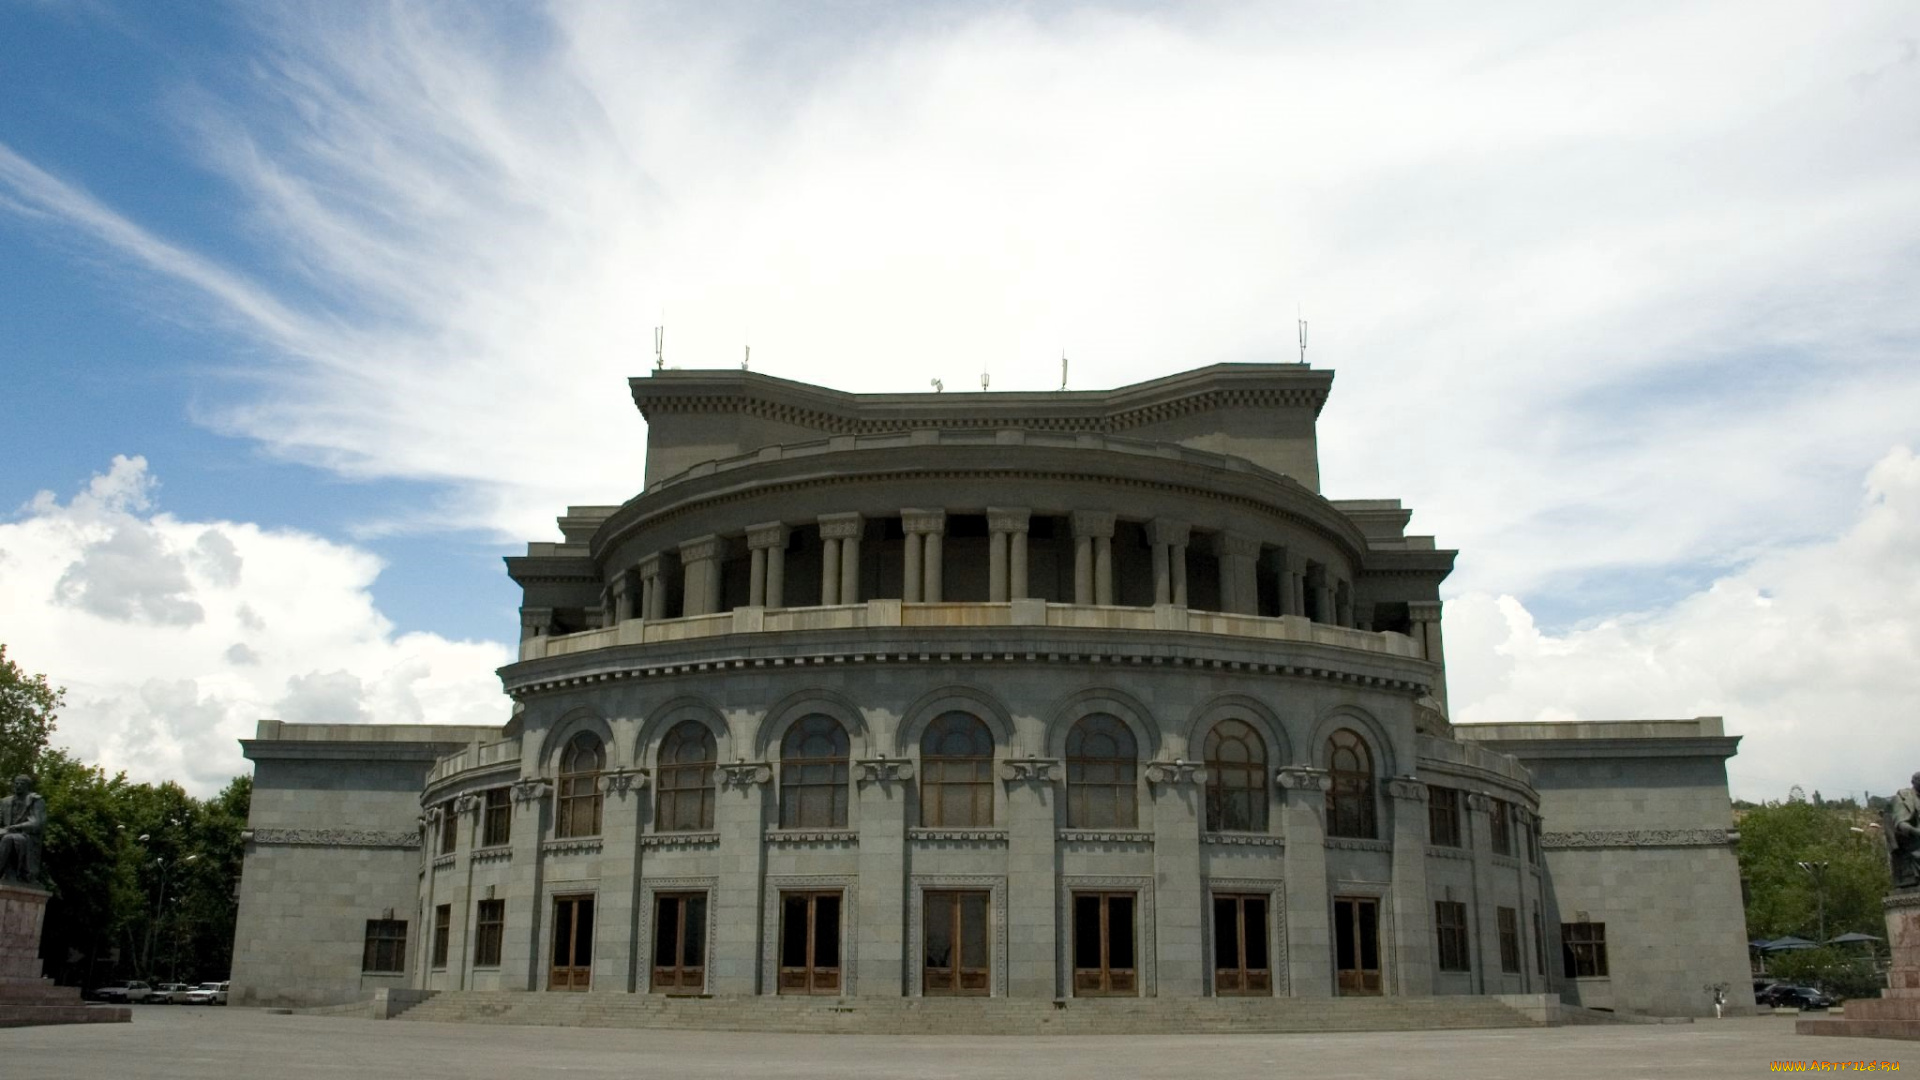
{"x": 143, "y": 876}
{"x": 1783, "y": 898}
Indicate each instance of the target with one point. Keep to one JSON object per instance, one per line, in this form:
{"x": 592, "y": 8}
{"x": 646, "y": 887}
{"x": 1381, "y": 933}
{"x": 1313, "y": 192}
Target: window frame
{"x": 496, "y": 811}
{"x": 1352, "y": 806}
{"x": 974, "y": 771}
{"x": 1443, "y": 816}
{"x": 385, "y": 948}
{"x": 1249, "y": 777}
{"x": 577, "y": 793}
{"x": 442, "y": 936}
{"x": 800, "y": 775}
{"x": 1583, "y": 950}
{"x": 1451, "y": 936}
{"x": 489, "y": 932}
{"x": 1121, "y": 772}
{"x": 671, "y": 793}
{"x": 1508, "y": 921}
{"x": 1500, "y": 826}
{"x": 449, "y": 829}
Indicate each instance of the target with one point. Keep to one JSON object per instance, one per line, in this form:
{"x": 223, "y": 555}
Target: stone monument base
{"x": 1896, "y": 1014}
{"x": 26, "y": 999}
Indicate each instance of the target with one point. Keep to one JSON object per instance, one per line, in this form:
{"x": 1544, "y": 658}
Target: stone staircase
{"x": 972, "y": 1016}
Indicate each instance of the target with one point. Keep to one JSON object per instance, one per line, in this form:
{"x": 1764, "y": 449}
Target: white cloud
{"x": 1808, "y": 651}
{"x": 96, "y": 592}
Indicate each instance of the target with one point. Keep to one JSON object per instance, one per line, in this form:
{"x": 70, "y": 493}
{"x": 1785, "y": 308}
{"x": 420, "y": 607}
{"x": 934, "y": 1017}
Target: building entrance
{"x": 810, "y": 942}
{"x": 956, "y": 959}
{"x": 1103, "y": 945}
{"x": 1356, "y": 944}
{"x": 1241, "y": 964}
{"x": 572, "y": 967}
{"x": 679, "y": 943}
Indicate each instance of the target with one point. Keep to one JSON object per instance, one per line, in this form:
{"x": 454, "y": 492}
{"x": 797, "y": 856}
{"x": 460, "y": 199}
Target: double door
{"x": 810, "y": 942}
{"x": 679, "y": 943}
{"x": 1104, "y": 953}
{"x": 1356, "y": 945}
{"x": 1242, "y": 964}
{"x": 956, "y": 961}
{"x": 572, "y": 958}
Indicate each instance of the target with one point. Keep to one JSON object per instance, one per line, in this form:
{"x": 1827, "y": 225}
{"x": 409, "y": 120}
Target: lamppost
{"x": 1818, "y": 872}
{"x": 165, "y": 869}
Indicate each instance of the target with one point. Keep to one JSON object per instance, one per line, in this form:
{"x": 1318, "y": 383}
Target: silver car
{"x": 212, "y": 993}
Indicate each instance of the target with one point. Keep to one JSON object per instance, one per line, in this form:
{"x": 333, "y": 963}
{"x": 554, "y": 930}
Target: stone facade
{"x": 1023, "y": 695}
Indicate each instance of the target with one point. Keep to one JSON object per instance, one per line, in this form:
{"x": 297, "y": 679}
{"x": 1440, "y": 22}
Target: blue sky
{"x": 1619, "y": 302}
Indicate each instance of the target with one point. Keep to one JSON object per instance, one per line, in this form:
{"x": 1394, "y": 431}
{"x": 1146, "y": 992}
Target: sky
{"x": 309, "y": 313}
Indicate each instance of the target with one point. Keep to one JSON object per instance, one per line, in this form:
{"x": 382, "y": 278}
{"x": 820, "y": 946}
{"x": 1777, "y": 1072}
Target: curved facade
{"x": 1028, "y": 695}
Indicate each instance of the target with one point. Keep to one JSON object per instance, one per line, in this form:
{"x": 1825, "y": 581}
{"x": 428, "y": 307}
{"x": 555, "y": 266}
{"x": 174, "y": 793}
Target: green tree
{"x": 1846, "y": 867}
{"x": 27, "y": 712}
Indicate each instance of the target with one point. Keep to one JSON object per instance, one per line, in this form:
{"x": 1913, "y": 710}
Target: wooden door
{"x": 1356, "y": 944}
{"x": 572, "y": 967}
{"x": 956, "y": 958}
{"x": 679, "y": 943}
{"x": 1241, "y": 964}
{"x": 1104, "y": 963}
{"x": 810, "y": 942}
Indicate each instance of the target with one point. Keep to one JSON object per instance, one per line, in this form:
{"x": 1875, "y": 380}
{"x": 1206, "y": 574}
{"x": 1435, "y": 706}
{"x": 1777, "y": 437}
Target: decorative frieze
{"x": 1232, "y": 839}
{"x": 680, "y": 840}
{"x": 1179, "y": 772}
{"x": 837, "y": 837}
{"x": 443, "y": 862}
{"x": 1032, "y": 770}
{"x": 498, "y": 854}
{"x": 1355, "y": 843}
{"x": 358, "y": 838}
{"x": 1901, "y": 900}
{"x": 1141, "y": 837}
{"x": 572, "y": 845}
{"x": 1436, "y": 851}
{"x": 981, "y": 837}
{"x": 1636, "y": 838}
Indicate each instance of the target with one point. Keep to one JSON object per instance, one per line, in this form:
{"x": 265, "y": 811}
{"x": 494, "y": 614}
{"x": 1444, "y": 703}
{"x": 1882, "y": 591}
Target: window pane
{"x": 695, "y": 947}
{"x": 1086, "y": 931}
{"x": 583, "y": 935}
{"x": 939, "y": 930}
{"x": 793, "y": 931}
{"x": 666, "y": 929}
{"x": 1255, "y": 909}
{"x": 1120, "y": 931}
{"x": 1370, "y": 937}
{"x": 826, "y": 931}
{"x": 1226, "y": 932}
{"x": 973, "y": 930}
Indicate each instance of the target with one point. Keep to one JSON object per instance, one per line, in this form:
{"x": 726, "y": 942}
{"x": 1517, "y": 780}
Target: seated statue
{"x": 1903, "y": 836}
{"x": 23, "y": 817}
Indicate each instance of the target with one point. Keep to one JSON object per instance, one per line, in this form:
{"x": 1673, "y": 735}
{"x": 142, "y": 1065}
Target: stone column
{"x": 1180, "y": 910}
{"x": 1293, "y": 592}
{"x": 1007, "y": 565}
{"x": 1309, "y": 933}
{"x": 1239, "y": 585}
{"x": 1033, "y": 942}
{"x": 1343, "y": 603}
{"x": 739, "y": 816}
{"x": 700, "y": 575}
{"x": 1093, "y": 534}
{"x": 1484, "y": 944}
{"x": 1412, "y": 914}
{"x": 653, "y": 600}
{"x": 768, "y": 542}
{"x": 911, "y": 574}
{"x": 617, "y": 956}
{"x": 1322, "y": 587}
{"x": 1169, "y": 540}
{"x": 842, "y": 531}
{"x": 881, "y": 785}
{"x": 535, "y": 622}
{"x": 622, "y": 588}
{"x": 829, "y": 568}
{"x": 523, "y": 946}
{"x": 1425, "y": 615}
{"x": 925, "y": 530}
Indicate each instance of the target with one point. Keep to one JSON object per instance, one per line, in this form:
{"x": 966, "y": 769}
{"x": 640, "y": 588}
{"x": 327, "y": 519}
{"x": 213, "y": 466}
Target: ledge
{"x": 1441, "y": 851}
{"x": 1232, "y": 839}
{"x": 1356, "y": 843}
{"x": 969, "y": 837}
{"x": 497, "y": 853}
{"x": 840, "y": 837}
{"x": 680, "y": 839}
{"x": 573, "y": 845}
{"x": 1140, "y": 837}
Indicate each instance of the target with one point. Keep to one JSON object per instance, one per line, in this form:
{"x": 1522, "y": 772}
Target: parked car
{"x": 125, "y": 993}
{"x": 169, "y": 994}
{"x": 211, "y": 993}
{"x": 1783, "y": 996}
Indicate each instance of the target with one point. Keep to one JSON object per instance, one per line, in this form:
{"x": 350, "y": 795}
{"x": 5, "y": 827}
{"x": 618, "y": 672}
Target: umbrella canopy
{"x": 1787, "y": 944}
{"x": 1853, "y": 939}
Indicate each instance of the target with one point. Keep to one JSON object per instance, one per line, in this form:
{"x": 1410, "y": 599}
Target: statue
{"x": 1903, "y": 836}
{"x": 23, "y": 817}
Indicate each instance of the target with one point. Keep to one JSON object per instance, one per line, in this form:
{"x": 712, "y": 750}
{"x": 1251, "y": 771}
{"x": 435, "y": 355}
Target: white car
{"x": 126, "y": 993}
{"x": 169, "y": 994}
{"x": 213, "y": 993}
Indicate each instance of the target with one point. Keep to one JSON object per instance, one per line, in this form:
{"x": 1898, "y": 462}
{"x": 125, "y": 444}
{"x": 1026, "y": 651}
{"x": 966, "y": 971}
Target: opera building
{"x": 1029, "y": 695}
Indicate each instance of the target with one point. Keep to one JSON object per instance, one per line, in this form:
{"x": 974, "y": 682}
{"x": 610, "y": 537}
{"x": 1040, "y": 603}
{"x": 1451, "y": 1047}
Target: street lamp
{"x": 1818, "y": 872}
{"x": 165, "y": 869}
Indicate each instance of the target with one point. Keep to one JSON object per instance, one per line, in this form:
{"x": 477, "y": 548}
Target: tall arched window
{"x": 1236, "y": 778}
{"x": 1102, "y": 775}
{"x": 813, "y": 774}
{"x": 578, "y": 813}
{"x": 956, "y": 772}
{"x": 1350, "y": 800}
{"x": 685, "y": 786}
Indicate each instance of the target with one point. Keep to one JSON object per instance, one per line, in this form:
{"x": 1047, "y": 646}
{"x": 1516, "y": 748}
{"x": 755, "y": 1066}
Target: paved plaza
{"x": 166, "y": 1042}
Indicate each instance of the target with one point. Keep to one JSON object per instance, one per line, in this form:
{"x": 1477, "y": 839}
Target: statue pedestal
{"x": 26, "y": 999}
{"x": 1896, "y": 1013}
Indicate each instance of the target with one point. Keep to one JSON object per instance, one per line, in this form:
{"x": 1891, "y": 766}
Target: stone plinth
{"x": 1896, "y": 1015}
{"x": 26, "y": 999}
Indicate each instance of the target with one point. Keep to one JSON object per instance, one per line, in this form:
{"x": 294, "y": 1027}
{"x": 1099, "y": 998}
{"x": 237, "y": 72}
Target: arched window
{"x": 580, "y": 764}
{"x": 1236, "y": 778}
{"x": 685, "y": 787}
{"x": 1350, "y": 800}
{"x": 1102, "y": 775}
{"x": 956, "y": 772}
{"x": 813, "y": 774}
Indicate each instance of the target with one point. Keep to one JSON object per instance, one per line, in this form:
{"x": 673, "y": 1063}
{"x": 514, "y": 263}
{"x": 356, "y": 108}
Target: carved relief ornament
{"x": 884, "y": 770}
{"x": 1177, "y": 772}
{"x": 744, "y": 774}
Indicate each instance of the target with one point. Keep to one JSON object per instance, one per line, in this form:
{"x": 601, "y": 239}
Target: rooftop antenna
{"x": 1063, "y": 369}
{"x": 747, "y": 359}
{"x": 984, "y": 379}
{"x": 938, "y": 386}
{"x": 659, "y": 347}
{"x": 1303, "y": 338}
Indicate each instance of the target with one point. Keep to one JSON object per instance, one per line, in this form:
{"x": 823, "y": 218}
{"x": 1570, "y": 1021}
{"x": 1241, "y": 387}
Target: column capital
{"x": 1237, "y": 544}
{"x": 884, "y": 770}
{"x": 531, "y": 790}
{"x": 841, "y": 526}
{"x": 701, "y": 548}
{"x": 649, "y": 567}
{"x": 1423, "y": 610}
{"x": 1406, "y": 787}
{"x": 923, "y": 521}
{"x": 1302, "y": 778}
{"x": 621, "y": 781}
{"x": 771, "y": 534}
{"x": 541, "y": 617}
{"x": 1007, "y": 520}
{"x": 1094, "y": 523}
{"x": 1178, "y": 772}
{"x": 744, "y": 774}
{"x": 1167, "y": 531}
{"x": 1479, "y": 801}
